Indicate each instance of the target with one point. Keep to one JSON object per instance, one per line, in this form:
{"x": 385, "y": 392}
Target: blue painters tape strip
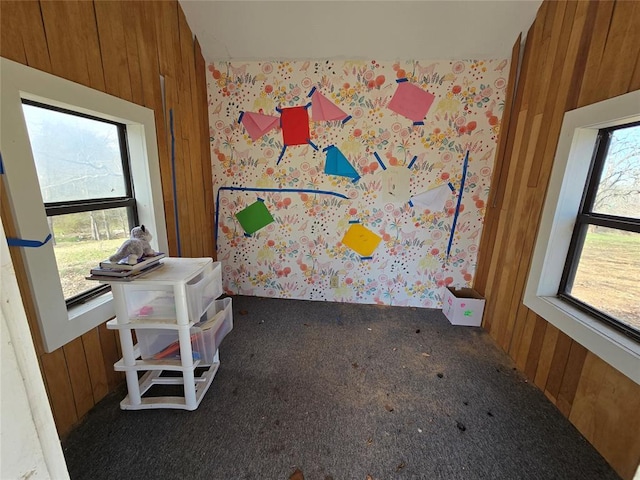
{"x": 256, "y": 189}
{"x": 311, "y": 92}
{"x": 354, "y": 221}
{"x": 455, "y": 215}
{"x": 355, "y": 179}
{"x": 20, "y": 242}
{"x": 326, "y": 149}
{"x": 173, "y": 180}
{"x": 281, "y": 155}
{"x": 375, "y": 154}
{"x": 402, "y": 80}
{"x": 261, "y": 199}
{"x": 240, "y": 118}
{"x": 1, "y": 165}
{"x": 349, "y": 117}
{"x": 418, "y": 123}
{"x": 278, "y": 109}
{"x": 453, "y": 189}
{"x": 313, "y": 145}
{"x": 413, "y": 160}
{"x": 366, "y": 258}
{"x": 410, "y": 203}
{"x": 307, "y": 105}
{"x": 247, "y": 235}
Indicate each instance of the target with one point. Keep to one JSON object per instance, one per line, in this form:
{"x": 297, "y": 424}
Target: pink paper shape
{"x": 411, "y": 101}
{"x": 323, "y": 109}
{"x": 257, "y": 124}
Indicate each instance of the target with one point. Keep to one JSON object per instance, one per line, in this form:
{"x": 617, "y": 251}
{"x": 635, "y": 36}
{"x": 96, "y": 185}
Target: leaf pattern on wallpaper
{"x": 297, "y": 255}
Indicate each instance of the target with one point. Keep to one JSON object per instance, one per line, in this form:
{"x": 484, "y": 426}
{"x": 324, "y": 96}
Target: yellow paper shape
{"x": 361, "y": 240}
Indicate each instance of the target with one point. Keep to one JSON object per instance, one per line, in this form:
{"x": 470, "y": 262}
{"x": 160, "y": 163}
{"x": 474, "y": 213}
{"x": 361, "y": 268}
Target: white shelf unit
{"x": 166, "y": 305}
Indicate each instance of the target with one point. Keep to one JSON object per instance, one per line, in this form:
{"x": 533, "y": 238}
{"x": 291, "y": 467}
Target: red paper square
{"x": 295, "y": 126}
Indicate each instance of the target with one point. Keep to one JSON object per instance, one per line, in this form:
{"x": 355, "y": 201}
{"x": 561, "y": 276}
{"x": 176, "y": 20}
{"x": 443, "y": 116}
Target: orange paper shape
{"x": 411, "y": 101}
{"x": 323, "y": 109}
{"x": 361, "y": 240}
{"x": 295, "y": 126}
{"x": 257, "y": 124}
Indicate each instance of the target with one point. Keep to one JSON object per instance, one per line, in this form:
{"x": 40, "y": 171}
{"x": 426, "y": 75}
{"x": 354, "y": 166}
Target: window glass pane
{"x": 76, "y": 158}
{"x": 82, "y": 240}
{"x": 619, "y": 188}
{"x": 608, "y": 274}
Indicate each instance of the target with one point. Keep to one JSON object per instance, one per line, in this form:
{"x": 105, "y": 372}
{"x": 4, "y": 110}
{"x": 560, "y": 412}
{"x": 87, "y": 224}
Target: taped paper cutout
{"x": 254, "y": 217}
{"x": 295, "y": 126}
{"x": 433, "y": 199}
{"x": 361, "y": 240}
{"x": 395, "y": 184}
{"x": 337, "y": 164}
{"x": 411, "y": 101}
{"x": 257, "y": 124}
{"x": 323, "y": 109}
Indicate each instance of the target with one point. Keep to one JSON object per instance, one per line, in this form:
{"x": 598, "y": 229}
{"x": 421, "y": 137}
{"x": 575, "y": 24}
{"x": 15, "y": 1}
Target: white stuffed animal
{"x": 135, "y": 247}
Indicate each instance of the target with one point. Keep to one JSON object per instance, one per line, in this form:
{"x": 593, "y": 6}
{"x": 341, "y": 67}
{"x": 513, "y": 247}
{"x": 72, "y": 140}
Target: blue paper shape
{"x": 338, "y": 164}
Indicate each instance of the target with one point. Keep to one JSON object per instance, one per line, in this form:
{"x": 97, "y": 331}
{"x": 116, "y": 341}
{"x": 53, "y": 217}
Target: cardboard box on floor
{"x": 463, "y": 306}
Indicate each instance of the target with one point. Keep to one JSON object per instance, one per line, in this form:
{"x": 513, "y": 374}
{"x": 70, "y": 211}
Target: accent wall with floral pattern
{"x": 300, "y": 254}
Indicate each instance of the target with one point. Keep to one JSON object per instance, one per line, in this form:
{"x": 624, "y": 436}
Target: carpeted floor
{"x": 340, "y": 391}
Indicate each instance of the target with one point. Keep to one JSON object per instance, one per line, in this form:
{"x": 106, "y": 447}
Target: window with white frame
{"x": 40, "y": 198}
{"x": 583, "y": 277}
{"x": 85, "y": 181}
{"x": 602, "y": 271}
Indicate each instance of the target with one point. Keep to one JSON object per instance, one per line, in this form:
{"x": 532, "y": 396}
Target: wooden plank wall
{"x": 121, "y": 48}
{"x": 576, "y": 54}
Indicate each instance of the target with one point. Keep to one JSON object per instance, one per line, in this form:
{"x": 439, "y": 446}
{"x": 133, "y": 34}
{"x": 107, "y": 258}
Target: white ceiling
{"x": 362, "y": 29}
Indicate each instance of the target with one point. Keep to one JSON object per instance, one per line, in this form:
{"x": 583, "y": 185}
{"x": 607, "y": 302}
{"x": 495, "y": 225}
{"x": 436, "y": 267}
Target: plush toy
{"x": 135, "y": 247}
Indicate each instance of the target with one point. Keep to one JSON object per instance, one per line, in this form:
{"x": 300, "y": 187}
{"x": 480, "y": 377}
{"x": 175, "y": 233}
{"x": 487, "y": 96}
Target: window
{"x": 84, "y": 175}
{"x": 569, "y": 208}
{"x": 602, "y": 272}
{"x": 59, "y": 323}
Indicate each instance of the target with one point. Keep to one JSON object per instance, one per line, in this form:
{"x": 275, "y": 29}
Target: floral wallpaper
{"x": 300, "y": 254}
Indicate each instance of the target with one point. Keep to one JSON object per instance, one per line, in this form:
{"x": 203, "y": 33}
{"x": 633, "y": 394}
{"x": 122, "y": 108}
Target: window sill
{"x": 94, "y": 312}
{"x": 615, "y": 348}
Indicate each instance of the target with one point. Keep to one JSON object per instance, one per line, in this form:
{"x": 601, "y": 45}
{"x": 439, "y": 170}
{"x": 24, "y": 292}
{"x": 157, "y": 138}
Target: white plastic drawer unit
{"x": 206, "y": 336}
{"x": 147, "y": 301}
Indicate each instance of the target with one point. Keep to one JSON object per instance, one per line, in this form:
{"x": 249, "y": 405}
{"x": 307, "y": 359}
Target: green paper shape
{"x": 468, "y": 313}
{"x": 254, "y": 217}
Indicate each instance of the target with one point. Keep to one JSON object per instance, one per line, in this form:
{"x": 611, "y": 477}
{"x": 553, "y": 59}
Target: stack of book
{"x": 126, "y": 269}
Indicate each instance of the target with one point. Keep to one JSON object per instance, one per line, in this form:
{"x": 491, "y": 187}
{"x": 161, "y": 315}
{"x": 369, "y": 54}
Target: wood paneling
{"x": 121, "y": 48}
{"x": 576, "y": 54}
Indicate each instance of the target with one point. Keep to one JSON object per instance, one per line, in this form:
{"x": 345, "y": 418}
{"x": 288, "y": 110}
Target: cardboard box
{"x": 463, "y": 306}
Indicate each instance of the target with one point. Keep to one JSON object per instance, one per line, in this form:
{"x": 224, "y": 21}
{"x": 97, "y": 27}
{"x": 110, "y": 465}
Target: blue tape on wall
{"x": 1, "y": 165}
{"x": 20, "y": 242}
{"x": 173, "y": 180}
{"x": 455, "y": 215}
{"x": 281, "y": 155}
{"x": 413, "y": 160}
{"x": 276, "y": 190}
{"x": 375, "y": 154}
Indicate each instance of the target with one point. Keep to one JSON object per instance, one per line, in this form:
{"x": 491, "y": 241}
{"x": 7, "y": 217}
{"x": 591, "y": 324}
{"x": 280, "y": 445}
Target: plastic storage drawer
{"x": 158, "y": 303}
{"x": 160, "y": 344}
{"x": 203, "y": 290}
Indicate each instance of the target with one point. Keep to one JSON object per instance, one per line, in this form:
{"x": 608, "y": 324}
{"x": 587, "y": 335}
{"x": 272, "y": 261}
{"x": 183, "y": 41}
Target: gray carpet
{"x": 341, "y": 391}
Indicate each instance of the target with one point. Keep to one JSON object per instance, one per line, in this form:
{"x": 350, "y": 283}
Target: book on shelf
{"x": 122, "y": 275}
{"x": 124, "y": 264}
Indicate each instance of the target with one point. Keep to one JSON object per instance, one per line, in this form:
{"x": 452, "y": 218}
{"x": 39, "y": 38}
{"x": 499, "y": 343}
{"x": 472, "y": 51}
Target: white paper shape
{"x": 434, "y": 198}
{"x": 395, "y": 184}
